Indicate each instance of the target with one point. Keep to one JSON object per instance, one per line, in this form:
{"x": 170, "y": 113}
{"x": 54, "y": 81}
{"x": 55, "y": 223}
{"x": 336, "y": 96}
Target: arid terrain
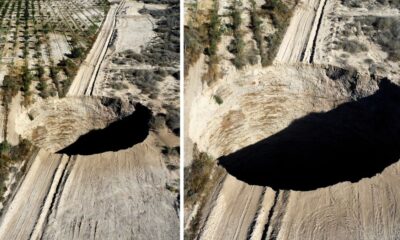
{"x": 290, "y": 119}
{"x": 90, "y": 119}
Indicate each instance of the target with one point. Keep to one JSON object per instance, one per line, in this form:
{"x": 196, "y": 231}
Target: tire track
{"x": 276, "y": 215}
{"x": 314, "y": 44}
{"x": 24, "y": 211}
{"x": 57, "y": 196}
{"x": 271, "y": 213}
{"x": 89, "y": 90}
{"x": 50, "y": 197}
{"x": 296, "y": 39}
{"x": 246, "y": 206}
{"x": 260, "y": 206}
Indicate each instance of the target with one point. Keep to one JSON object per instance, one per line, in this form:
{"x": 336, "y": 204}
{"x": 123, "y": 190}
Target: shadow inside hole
{"x": 119, "y": 135}
{"x": 353, "y": 141}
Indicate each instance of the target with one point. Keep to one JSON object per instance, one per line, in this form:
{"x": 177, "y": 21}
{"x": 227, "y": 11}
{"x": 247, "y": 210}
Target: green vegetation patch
{"x": 197, "y": 175}
{"x": 237, "y": 46}
{"x": 218, "y": 99}
{"x": 279, "y": 14}
{"x": 200, "y": 179}
{"x": 11, "y": 154}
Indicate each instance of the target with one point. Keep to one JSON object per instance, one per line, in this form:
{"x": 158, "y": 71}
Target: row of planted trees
{"x": 65, "y": 69}
{"x": 25, "y": 18}
{"x": 204, "y": 38}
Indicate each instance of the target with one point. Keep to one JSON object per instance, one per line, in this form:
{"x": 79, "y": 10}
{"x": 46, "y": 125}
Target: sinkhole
{"x": 356, "y": 140}
{"x": 119, "y": 135}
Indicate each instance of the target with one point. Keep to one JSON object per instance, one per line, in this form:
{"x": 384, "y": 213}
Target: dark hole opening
{"x": 119, "y": 135}
{"x": 353, "y": 141}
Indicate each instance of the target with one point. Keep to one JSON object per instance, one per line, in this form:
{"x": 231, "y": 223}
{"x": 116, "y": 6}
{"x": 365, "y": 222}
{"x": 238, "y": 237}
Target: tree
{"x": 76, "y": 52}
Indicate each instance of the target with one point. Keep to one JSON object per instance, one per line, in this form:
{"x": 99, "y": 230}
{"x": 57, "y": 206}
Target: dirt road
{"x": 22, "y": 215}
{"x": 87, "y": 73}
{"x": 300, "y": 33}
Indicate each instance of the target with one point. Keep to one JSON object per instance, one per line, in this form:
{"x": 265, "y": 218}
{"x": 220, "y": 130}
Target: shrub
{"x": 214, "y": 30}
{"x": 69, "y": 67}
{"x": 237, "y": 45}
{"x": 280, "y": 16}
{"x": 76, "y": 52}
{"x": 4, "y": 147}
{"x": 172, "y": 118}
{"x": 26, "y": 79}
{"x": 10, "y": 85}
{"x": 170, "y": 150}
{"x": 158, "y": 121}
{"x": 352, "y": 3}
{"x": 118, "y": 85}
{"x": 384, "y": 31}
{"x": 218, "y": 99}
{"x": 21, "y": 151}
{"x": 145, "y": 79}
{"x": 352, "y": 46}
{"x": 165, "y": 51}
{"x": 41, "y": 71}
{"x": 197, "y": 175}
{"x": 193, "y": 44}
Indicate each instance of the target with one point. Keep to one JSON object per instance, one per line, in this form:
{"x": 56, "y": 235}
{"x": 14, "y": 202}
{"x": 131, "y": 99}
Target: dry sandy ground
{"x": 120, "y": 195}
{"x": 190, "y": 90}
{"x": 112, "y": 195}
{"x": 20, "y": 218}
{"x": 3, "y": 72}
{"x": 266, "y": 101}
{"x": 131, "y": 23}
{"x": 334, "y": 30}
{"x": 58, "y": 46}
{"x": 16, "y": 109}
{"x": 226, "y": 216}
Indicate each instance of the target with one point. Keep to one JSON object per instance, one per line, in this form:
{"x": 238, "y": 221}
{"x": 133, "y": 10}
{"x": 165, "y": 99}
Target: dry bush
{"x": 384, "y": 31}
{"x": 197, "y": 175}
{"x": 165, "y": 51}
{"x": 194, "y": 41}
{"x": 172, "y": 118}
{"x": 352, "y": 46}
{"x": 279, "y": 13}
